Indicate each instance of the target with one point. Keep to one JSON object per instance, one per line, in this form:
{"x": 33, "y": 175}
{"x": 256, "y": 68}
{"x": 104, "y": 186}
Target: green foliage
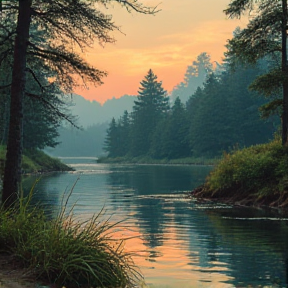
{"x": 218, "y": 116}
{"x": 269, "y": 83}
{"x": 64, "y": 250}
{"x": 44, "y": 104}
{"x": 194, "y": 77}
{"x": 150, "y": 108}
{"x": 262, "y": 38}
{"x": 260, "y": 170}
{"x": 35, "y": 161}
{"x": 273, "y": 107}
{"x": 43, "y": 162}
{"x": 170, "y": 135}
{"x": 111, "y": 144}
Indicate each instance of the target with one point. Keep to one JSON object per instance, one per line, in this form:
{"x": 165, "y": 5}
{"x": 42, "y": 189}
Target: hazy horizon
{"x": 154, "y": 42}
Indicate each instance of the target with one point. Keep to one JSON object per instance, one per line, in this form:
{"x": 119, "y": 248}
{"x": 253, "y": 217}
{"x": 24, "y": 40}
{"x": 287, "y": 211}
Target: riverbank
{"x": 36, "y": 161}
{"x": 12, "y": 275}
{"x": 254, "y": 176}
{"x": 148, "y": 160}
{"x": 37, "y": 251}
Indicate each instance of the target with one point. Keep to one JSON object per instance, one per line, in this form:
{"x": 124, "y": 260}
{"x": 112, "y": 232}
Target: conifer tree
{"x": 66, "y": 23}
{"x": 170, "y": 138}
{"x": 194, "y": 77}
{"x": 178, "y": 130}
{"x": 151, "y": 106}
{"x": 112, "y": 141}
{"x": 265, "y": 34}
{"x": 124, "y": 132}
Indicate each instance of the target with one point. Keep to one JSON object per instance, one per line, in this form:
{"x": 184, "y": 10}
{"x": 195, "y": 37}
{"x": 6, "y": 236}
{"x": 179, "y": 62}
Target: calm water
{"x": 179, "y": 243}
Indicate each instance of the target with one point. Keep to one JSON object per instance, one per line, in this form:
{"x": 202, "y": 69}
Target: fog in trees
{"x": 220, "y": 115}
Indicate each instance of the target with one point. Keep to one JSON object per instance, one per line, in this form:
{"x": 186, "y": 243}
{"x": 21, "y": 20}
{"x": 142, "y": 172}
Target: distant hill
{"x": 92, "y": 112}
{"x": 94, "y": 118}
{"x": 79, "y": 143}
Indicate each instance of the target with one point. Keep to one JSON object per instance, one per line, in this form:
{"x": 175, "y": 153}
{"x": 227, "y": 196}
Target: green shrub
{"x": 258, "y": 169}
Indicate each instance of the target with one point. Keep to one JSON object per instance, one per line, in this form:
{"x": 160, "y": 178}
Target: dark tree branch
{"x": 5, "y": 86}
{"x": 49, "y": 105}
{"x": 138, "y": 7}
{"x": 35, "y": 78}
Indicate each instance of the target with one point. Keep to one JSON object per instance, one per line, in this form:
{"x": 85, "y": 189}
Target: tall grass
{"x": 34, "y": 161}
{"x": 64, "y": 250}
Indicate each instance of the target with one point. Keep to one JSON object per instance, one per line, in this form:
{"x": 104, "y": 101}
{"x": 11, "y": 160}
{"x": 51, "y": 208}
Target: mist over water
{"x": 178, "y": 242}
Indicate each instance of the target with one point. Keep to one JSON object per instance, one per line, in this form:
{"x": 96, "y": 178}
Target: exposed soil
{"x": 273, "y": 201}
{"x": 12, "y": 275}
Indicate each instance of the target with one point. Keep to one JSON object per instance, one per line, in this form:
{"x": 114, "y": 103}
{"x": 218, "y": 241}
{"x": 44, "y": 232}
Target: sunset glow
{"x": 167, "y": 43}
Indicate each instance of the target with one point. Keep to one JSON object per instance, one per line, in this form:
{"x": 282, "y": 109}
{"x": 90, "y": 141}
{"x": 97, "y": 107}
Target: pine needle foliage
{"x": 69, "y": 26}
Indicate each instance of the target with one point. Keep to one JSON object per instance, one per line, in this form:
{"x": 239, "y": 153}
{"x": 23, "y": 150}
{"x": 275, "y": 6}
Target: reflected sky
{"x": 177, "y": 241}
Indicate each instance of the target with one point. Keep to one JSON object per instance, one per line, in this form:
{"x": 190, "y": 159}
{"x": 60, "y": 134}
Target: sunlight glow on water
{"x": 177, "y": 241}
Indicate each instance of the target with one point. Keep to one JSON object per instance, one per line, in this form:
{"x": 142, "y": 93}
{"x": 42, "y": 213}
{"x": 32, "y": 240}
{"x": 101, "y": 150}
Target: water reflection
{"x": 179, "y": 243}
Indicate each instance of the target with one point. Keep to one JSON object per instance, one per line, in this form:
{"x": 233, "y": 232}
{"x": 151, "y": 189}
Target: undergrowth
{"x": 259, "y": 172}
{"x": 34, "y": 161}
{"x": 66, "y": 251}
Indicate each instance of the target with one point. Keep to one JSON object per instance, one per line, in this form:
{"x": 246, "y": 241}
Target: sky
{"x": 166, "y": 43}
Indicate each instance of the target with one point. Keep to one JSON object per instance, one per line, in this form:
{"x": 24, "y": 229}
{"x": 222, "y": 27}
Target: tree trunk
{"x": 12, "y": 172}
{"x": 285, "y": 72}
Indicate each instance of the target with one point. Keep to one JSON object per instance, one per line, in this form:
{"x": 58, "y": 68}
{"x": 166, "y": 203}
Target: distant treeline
{"x": 219, "y": 115}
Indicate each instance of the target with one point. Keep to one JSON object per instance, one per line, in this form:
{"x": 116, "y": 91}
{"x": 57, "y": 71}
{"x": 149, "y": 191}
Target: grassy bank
{"x": 148, "y": 160}
{"x": 35, "y": 161}
{"x": 64, "y": 251}
{"x": 257, "y": 175}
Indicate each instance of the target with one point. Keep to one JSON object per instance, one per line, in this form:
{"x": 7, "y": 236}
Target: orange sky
{"x": 167, "y": 43}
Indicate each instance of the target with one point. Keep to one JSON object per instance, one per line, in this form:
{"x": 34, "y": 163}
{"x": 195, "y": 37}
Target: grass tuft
{"x": 66, "y": 251}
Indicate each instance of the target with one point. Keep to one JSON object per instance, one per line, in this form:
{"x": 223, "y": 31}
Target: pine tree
{"x": 112, "y": 141}
{"x": 224, "y": 114}
{"x": 66, "y": 23}
{"x": 124, "y": 134}
{"x": 194, "y": 77}
{"x": 178, "y": 130}
{"x": 265, "y": 34}
{"x": 148, "y": 110}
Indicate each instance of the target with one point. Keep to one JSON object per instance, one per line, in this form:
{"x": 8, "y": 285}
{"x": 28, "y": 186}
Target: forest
{"x": 220, "y": 115}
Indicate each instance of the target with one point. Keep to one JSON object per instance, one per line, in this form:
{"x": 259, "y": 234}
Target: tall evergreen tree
{"x": 194, "y": 77}
{"x": 65, "y": 23}
{"x": 112, "y": 141}
{"x": 178, "y": 129}
{"x": 151, "y": 106}
{"x": 124, "y": 132}
{"x": 170, "y": 139}
{"x": 265, "y": 34}
{"x": 225, "y": 113}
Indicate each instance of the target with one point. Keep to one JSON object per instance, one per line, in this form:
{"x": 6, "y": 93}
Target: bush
{"x": 261, "y": 170}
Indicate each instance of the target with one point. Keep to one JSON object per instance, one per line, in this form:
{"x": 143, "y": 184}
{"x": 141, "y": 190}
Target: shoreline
{"x": 252, "y": 201}
{"x": 150, "y": 161}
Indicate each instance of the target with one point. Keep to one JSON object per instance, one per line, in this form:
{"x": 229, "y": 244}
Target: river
{"x": 178, "y": 242}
